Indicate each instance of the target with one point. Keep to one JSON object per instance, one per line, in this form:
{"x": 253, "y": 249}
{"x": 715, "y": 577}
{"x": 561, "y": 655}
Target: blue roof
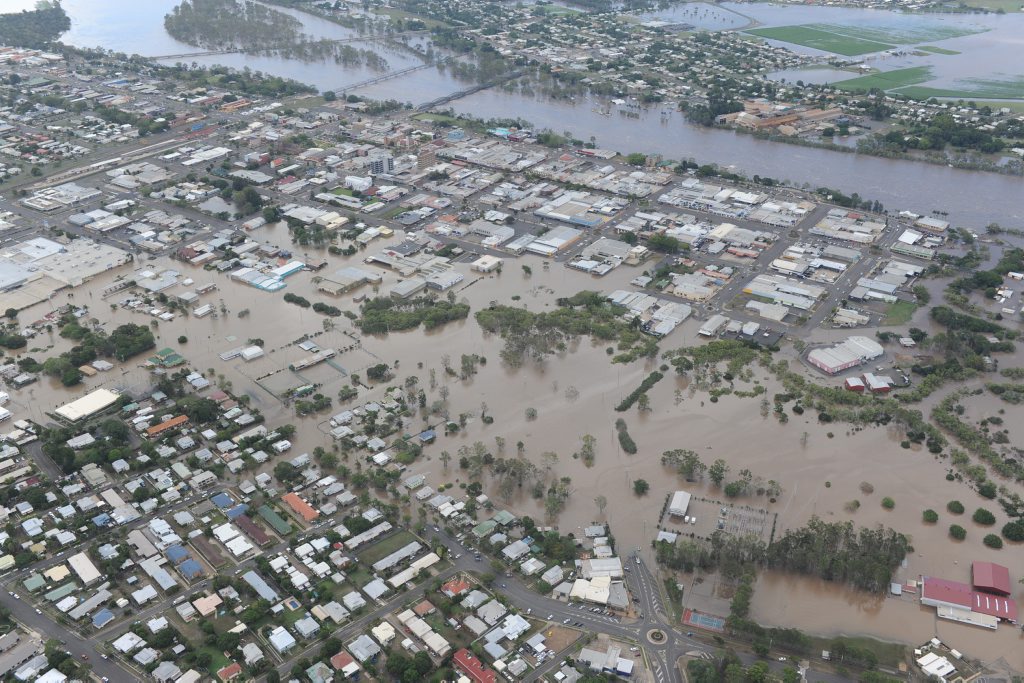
{"x": 177, "y": 554}
{"x": 428, "y": 435}
{"x": 102, "y": 519}
{"x": 190, "y": 569}
{"x": 222, "y": 500}
{"x": 102, "y": 618}
{"x": 237, "y": 511}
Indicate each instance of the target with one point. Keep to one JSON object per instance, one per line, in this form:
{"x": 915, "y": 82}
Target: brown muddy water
{"x": 575, "y": 394}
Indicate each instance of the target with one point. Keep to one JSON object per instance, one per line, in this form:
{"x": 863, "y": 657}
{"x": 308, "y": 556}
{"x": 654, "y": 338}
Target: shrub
{"x": 1014, "y": 531}
{"x": 993, "y": 541}
{"x": 956, "y": 507}
{"x": 987, "y": 489}
{"x": 183, "y": 339}
{"x": 930, "y": 516}
{"x": 958, "y": 532}
{"x": 888, "y": 503}
{"x": 983, "y": 516}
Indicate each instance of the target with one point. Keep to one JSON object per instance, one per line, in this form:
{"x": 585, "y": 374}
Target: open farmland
{"x": 972, "y": 88}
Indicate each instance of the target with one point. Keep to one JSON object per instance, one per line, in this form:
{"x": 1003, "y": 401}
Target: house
{"x": 473, "y": 668}
{"x": 364, "y": 648}
{"x": 251, "y": 653}
{"x": 281, "y": 640}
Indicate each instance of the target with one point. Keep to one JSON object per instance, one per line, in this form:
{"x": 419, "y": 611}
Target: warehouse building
{"x": 848, "y": 354}
{"x": 680, "y": 504}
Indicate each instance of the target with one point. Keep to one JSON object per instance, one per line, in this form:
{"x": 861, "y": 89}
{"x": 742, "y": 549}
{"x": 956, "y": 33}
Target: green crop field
{"x": 887, "y": 80}
{"x": 937, "y": 50}
{"x": 808, "y": 36}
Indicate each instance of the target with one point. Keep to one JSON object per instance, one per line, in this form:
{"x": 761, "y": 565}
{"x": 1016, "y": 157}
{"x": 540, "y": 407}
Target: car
{"x": 504, "y": 586}
{"x": 551, "y": 617}
{"x": 437, "y": 529}
{"x": 529, "y": 610}
{"x": 85, "y": 657}
{"x": 782, "y": 659}
{"x": 38, "y": 611}
{"x": 104, "y": 657}
{"x": 566, "y": 621}
{"x": 16, "y": 596}
{"x": 105, "y": 679}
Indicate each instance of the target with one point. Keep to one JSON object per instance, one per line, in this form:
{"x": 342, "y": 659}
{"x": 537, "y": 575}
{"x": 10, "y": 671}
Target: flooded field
{"x": 821, "y": 468}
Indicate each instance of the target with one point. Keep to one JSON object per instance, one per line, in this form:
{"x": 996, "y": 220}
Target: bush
{"x": 956, "y": 507}
{"x": 983, "y": 516}
{"x": 930, "y": 516}
{"x": 1014, "y": 531}
{"x": 183, "y": 339}
{"x": 888, "y": 503}
{"x": 987, "y": 489}
{"x": 958, "y": 532}
{"x": 993, "y": 541}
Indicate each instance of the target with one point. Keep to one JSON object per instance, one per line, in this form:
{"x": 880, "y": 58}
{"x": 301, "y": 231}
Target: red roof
{"x": 341, "y": 660}
{"x": 957, "y": 593}
{"x": 990, "y": 577}
{"x": 994, "y": 605}
{"x": 953, "y": 592}
{"x": 455, "y": 587}
{"x": 473, "y": 668}
{"x": 229, "y": 672}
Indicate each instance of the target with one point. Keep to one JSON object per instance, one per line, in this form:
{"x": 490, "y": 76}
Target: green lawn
{"x": 438, "y": 118}
{"x": 384, "y": 548}
{"x": 218, "y": 661}
{"x": 887, "y": 80}
{"x": 809, "y": 36}
{"x": 937, "y": 50}
{"x": 889, "y": 654}
{"x": 899, "y": 313}
{"x": 401, "y": 14}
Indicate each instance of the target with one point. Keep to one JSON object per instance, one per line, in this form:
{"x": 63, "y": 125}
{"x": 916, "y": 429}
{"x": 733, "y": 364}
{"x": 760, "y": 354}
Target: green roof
{"x": 34, "y": 582}
{"x": 58, "y": 594}
{"x": 273, "y": 519}
{"x": 503, "y": 517}
{"x": 484, "y": 528}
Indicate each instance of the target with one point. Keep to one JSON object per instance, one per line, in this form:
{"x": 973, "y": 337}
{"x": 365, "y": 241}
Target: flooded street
{"x": 575, "y": 394}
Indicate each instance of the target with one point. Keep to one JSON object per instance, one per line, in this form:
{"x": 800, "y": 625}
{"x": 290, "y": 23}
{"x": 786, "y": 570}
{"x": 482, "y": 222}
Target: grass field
{"x": 887, "y": 80}
{"x": 899, "y": 313}
{"x": 808, "y": 36}
{"x": 937, "y": 50}
{"x": 972, "y": 89}
{"x": 889, "y": 654}
{"x": 995, "y": 5}
{"x": 440, "y": 118}
{"x": 384, "y": 548}
{"x": 897, "y": 35}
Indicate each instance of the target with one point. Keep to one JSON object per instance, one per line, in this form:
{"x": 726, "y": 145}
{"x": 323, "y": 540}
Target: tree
{"x": 182, "y": 339}
{"x": 445, "y": 457}
{"x": 1014, "y": 531}
{"x": 993, "y": 541}
{"x": 958, "y": 532}
{"x": 888, "y": 503}
{"x": 956, "y": 507}
{"x": 983, "y": 516}
{"x": 601, "y": 502}
{"x": 930, "y": 516}
{"x": 641, "y": 487}
{"x": 717, "y": 471}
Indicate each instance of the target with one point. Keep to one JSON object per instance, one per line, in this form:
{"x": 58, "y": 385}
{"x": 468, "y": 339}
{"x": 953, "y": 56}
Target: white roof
{"x": 90, "y": 404}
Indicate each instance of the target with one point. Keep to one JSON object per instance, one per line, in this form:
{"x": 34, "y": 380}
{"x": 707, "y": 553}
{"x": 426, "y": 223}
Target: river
{"x": 971, "y": 198}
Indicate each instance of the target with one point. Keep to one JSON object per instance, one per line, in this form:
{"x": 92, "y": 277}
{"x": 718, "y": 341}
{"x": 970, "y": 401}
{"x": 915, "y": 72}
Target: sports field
{"x": 971, "y": 89}
{"x": 937, "y": 50}
{"x": 887, "y": 80}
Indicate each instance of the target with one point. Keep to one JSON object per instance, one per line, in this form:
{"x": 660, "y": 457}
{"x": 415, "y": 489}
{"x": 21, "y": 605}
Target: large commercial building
{"x": 958, "y": 601}
{"x": 91, "y": 404}
{"x": 845, "y": 355}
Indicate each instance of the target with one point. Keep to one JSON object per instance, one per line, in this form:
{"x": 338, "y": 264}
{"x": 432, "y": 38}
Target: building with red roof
{"x": 990, "y": 577}
{"x": 300, "y": 507}
{"x": 473, "y": 668}
{"x": 345, "y": 663}
{"x": 943, "y": 593}
{"x": 455, "y": 587}
{"x": 229, "y": 672}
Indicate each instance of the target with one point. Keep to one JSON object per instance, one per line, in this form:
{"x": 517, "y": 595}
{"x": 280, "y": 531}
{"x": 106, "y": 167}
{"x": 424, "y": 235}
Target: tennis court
{"x": 708, "y": 622}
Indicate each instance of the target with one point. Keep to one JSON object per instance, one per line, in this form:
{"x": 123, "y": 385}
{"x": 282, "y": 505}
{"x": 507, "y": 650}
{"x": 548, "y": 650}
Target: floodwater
{"x": 971, "y": 198}
{"x": 575, "y": 393}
